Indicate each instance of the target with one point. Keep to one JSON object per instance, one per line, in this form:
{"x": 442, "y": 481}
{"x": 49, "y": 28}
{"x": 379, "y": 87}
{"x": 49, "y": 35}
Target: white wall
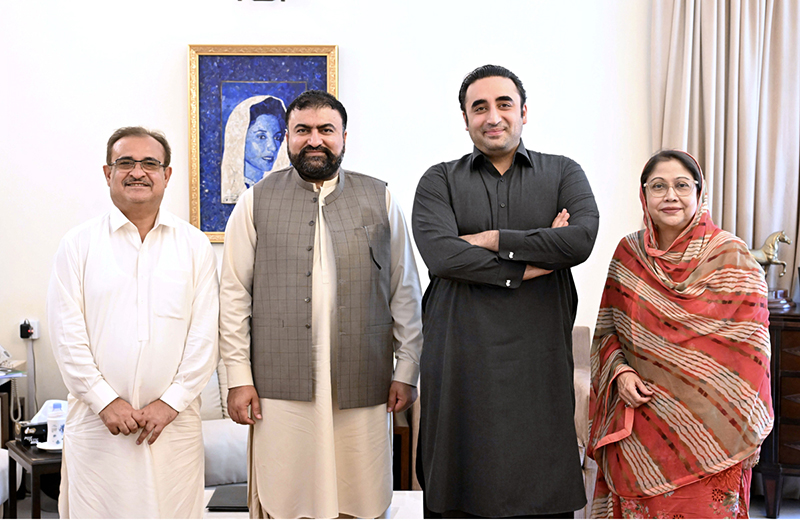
{"x": 74, "y": 71}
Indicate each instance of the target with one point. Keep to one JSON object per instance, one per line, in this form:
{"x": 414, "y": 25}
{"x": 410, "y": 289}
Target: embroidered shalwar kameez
{"x": 311, "y": 459}
{"x": 136, "y": 320}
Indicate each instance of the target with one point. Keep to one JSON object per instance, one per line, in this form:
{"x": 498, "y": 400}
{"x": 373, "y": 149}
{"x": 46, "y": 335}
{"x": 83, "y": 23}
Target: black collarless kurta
{"x": 497, "y": 436}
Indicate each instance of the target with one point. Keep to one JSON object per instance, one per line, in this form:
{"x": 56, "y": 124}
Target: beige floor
{"x": 406, "y": 505}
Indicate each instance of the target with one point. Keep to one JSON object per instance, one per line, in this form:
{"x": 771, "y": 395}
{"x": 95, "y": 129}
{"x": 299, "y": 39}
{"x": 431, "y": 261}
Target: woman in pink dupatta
{"x": 680, "y": 398}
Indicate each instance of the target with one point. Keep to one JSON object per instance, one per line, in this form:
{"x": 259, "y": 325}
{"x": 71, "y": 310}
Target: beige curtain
{"x": 726, "y": 88}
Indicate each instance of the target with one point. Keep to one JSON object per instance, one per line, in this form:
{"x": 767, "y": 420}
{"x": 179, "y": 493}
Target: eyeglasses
{"x": 659, "y": 187}
{"x": 125, "y": 165}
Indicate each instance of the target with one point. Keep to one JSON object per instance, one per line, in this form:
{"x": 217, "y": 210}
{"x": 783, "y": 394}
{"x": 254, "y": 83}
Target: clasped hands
{"x": 490, "y": 240}
{"x": 401, "y": 396}
{"x": 121, "y": 418}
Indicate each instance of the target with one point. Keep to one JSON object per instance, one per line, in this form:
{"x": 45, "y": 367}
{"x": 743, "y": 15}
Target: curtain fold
{"x": 725, "y": 78}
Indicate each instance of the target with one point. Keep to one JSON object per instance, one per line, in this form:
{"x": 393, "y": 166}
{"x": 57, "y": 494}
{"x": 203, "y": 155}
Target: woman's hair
{"x": 270, "y": 106}
{"x": 663, "y": 156}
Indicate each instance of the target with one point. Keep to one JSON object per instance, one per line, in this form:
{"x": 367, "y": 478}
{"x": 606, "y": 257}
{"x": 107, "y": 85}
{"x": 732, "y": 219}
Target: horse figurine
{"x": 768, "y": 254}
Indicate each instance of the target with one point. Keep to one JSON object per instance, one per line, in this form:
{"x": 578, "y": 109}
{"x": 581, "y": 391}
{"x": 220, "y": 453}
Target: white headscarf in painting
{"x": 232, "y": 172}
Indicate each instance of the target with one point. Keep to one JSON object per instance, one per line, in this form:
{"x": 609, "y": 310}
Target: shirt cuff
{"x": 406, "y": 372}
{"x": 511, "y": 243}
{"x": 239, "y": 375}
{"x": 99, "y": 396}
{"x": 511, "y": 274}
{"x": 177, "y": 397}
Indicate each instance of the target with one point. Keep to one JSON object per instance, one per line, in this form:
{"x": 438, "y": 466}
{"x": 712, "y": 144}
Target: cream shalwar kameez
{"x": 136, "y": 320}
{"x": 311, "y": 459}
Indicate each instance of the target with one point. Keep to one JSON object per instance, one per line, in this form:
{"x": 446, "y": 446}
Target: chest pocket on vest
{"x": 377, "y": 241}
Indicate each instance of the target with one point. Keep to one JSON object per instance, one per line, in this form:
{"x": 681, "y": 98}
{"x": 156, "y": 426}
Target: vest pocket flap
{"x": 377, "y": 236}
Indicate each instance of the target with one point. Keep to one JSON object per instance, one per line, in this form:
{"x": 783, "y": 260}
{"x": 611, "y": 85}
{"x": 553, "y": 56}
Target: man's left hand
{"x": 153, "y": 419}
{"x": 401, "y": 396}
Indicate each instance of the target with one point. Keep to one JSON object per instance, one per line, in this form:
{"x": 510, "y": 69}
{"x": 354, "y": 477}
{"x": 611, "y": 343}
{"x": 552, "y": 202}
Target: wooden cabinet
{"x": 780, "y": 454}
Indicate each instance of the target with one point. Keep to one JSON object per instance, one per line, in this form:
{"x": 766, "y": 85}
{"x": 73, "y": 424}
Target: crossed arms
{"x": 503, "y": 257}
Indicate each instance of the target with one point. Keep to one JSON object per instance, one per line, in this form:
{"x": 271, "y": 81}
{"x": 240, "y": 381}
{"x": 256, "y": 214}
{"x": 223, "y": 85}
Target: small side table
{"x": 36, "y": 462}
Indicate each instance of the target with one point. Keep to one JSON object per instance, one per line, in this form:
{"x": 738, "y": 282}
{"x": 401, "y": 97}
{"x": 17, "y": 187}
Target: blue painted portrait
{"x": 239, "y": 119}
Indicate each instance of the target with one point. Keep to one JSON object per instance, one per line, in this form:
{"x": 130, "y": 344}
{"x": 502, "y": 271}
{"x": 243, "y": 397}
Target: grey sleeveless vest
{"x": 285, "y": 208}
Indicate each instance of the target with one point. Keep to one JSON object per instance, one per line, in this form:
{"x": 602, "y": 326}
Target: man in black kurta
{"x": 499, "y": 230}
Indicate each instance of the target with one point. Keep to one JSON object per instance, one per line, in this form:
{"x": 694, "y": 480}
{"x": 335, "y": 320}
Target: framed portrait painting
{"x": 237, "y": 103}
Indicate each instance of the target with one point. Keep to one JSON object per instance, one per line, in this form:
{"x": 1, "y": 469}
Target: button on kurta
{"x": 143, "y": 290}
{"x": 307, "y": 299}
{"x": 311, "y": 223}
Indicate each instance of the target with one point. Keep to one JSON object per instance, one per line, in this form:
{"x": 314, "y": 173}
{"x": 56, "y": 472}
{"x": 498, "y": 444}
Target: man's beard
{"x": 316, "y": 168}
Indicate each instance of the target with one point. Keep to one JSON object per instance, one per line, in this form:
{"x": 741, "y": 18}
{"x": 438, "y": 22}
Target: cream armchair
{"x": 581, "y": 345}
{"x": 224, "y": 441}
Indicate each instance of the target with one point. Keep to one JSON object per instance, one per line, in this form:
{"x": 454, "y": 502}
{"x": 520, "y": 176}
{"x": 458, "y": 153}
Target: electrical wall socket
{"x": 34, "y": 325}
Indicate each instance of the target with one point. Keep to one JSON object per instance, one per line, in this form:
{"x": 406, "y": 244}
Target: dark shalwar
{"x": 497, "y": 436}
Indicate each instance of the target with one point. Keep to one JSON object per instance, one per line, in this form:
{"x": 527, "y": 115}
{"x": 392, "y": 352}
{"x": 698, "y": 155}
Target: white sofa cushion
{"x": 210, "y": 400}
{"x": 225, "y": 445}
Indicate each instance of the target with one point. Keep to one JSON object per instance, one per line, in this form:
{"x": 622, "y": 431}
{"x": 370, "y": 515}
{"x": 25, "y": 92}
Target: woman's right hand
{"x": 633, "y": 390}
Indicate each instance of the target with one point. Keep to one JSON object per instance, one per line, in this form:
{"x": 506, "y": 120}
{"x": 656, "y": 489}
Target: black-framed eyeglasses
{"x": 659, "y": 187}
{"x": 125, "y": 165}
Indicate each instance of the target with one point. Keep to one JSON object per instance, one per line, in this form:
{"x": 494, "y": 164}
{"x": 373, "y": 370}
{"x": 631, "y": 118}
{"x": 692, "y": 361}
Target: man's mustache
{"x": 141, "y": 180}
{"x": 320, "y": 148}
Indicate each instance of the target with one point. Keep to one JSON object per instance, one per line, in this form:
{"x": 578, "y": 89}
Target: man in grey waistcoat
{"x": 320, "y": 326}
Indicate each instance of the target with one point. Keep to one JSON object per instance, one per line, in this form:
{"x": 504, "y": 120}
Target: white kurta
{"x": 310, "y": 459}
{"x": 135, "y": 320}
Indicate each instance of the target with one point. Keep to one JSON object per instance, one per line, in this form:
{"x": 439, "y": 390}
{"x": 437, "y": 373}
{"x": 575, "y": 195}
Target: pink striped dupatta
{"x": 692, "y": 321}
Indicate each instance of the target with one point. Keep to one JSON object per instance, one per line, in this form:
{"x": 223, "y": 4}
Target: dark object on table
{"x": 229, "y": 498}
{"x": 30, "y": 433}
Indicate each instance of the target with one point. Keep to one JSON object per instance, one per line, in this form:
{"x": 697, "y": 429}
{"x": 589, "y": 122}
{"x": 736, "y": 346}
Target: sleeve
{"x": 609, "y": 420}
{"x": 68, "y": 336}
{"x": 406, "y": 298}
{"x": 236, "y": 292}
{"x": 445, "y": 254}
{"x": 559, "y": 248}
{"x": 201, "y": 351}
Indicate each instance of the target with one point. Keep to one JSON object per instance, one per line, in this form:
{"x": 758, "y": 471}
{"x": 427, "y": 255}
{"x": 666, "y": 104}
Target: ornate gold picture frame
{"x": 237, "y": 98}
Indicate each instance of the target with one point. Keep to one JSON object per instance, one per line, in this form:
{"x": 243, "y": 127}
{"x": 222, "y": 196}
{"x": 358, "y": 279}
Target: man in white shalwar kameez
{"x": 311, "y": 456}
{"x": 133, "y": 314}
